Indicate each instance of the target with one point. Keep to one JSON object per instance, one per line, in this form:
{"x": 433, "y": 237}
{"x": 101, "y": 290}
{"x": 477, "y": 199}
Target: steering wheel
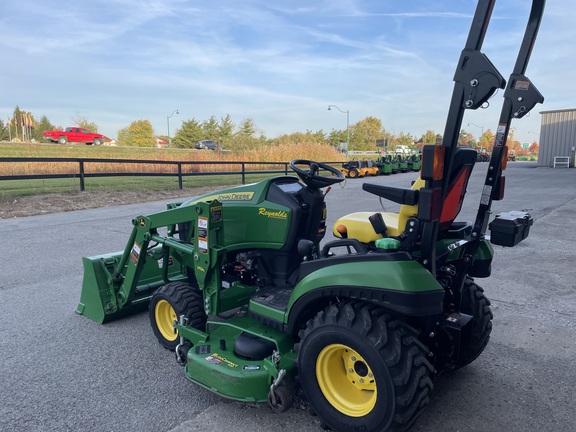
{"x": 311, "y": 177}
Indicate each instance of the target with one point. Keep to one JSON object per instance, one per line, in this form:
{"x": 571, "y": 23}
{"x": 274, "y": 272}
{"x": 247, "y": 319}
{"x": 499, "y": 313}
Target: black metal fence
{"x": 82, "y": 173}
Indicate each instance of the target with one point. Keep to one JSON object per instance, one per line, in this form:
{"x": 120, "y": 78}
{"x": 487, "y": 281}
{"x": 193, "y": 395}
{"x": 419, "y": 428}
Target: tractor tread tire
{"x": 185, "y": 300}
{"x": 353, "y": 173}
{"x": 400, "y": 351}
{"x": 475, "y": 303}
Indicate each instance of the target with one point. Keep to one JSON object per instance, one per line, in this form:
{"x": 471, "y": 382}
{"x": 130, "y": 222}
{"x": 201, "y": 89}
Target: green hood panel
{"x": 253, "y": 193}
{"x": 250, "y": 220}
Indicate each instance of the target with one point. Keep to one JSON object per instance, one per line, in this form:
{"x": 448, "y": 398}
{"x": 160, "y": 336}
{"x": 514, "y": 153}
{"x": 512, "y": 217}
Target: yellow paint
{"x": 346, "y": 380}
{"x": 164, "y": 315}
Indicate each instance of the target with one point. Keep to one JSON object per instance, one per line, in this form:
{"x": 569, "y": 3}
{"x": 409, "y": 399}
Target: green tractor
{"x": 414, "y": 163}
{"x": 383, "y": 166}
{"x": 388, "y": 164}
{"x": 402, "y": 163}
{"x": 239, "y": 284}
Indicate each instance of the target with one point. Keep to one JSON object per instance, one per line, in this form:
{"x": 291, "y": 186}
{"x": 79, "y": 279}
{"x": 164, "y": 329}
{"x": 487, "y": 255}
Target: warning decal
{"x": 135, "y": 253}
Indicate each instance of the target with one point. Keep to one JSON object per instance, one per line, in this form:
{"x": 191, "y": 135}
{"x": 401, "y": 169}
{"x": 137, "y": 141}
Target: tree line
{"x": 362, "y": 136}
{"x": 24, "y": 126}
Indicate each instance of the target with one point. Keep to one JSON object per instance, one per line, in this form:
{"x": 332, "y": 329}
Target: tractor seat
{"x": 357, "y": 225}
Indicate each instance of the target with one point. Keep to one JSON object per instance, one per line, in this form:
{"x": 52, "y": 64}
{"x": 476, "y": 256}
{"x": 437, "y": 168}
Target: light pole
{"x": 481, "y": 127}
{"x": 347, "y": 112}
{"x": 168, "y": 120}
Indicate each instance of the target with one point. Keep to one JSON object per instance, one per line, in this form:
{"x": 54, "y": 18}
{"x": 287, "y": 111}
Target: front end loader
{"x": 240, "y": 285}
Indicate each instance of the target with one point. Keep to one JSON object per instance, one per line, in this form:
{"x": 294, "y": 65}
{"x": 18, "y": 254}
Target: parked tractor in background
{"x": 388, "y": 164}
{"x": 414, "y": 163}
{"x": 357, "y": 168}
{"x": 402, "y": 162}
{"x": 483, "y": 155}
{"x": 239, "y": 285}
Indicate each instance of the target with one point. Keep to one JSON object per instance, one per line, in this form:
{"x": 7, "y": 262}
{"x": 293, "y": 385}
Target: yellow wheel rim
{"x": 346, "y": 380}
{"x": 165, "y": 316}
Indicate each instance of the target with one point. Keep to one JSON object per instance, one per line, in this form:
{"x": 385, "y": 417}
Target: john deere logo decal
{"x": 278, "y": 214}
{"x": 228, "y": 196}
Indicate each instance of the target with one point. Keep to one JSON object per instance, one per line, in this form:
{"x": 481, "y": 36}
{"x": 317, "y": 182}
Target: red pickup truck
{"x": 73, "y": 134}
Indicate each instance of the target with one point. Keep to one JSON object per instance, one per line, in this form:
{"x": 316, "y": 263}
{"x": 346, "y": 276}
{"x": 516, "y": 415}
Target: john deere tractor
{"x": 255, "y": 305}
{"x": 388, "y": 164}
{"x": 414, "y": 163}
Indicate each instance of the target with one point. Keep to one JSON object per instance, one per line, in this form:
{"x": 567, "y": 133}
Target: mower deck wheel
{"x": 283, "y": 399}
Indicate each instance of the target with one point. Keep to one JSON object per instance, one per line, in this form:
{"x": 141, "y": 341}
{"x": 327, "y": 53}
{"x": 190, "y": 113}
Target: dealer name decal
{"x": 275, "y": 214}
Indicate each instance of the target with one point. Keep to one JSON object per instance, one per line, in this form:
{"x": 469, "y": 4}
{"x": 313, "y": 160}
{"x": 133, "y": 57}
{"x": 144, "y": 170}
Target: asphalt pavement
{"x": 62, "y": 372}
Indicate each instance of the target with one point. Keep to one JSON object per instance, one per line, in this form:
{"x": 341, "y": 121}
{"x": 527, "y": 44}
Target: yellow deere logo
{"x": 228, "y": 196}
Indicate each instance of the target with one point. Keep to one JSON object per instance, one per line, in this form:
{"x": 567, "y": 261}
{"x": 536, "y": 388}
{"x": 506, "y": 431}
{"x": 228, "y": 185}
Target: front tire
{"x": 362, "y": 370}
{"x": 167, "y": 304}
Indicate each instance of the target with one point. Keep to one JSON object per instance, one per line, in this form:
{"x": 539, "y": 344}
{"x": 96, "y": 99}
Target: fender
{"x": 395, "y": 281}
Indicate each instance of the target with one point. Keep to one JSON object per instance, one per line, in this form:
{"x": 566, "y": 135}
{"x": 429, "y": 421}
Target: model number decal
{"x": 217, "y": 359}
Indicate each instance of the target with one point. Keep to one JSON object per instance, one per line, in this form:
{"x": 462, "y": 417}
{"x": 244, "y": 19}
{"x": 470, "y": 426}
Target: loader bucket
{"x": 97, "y": 300}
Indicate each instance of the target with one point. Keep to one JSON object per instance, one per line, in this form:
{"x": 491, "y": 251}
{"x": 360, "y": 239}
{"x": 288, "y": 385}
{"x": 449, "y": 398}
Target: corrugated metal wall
{"x": 557, "y": 136}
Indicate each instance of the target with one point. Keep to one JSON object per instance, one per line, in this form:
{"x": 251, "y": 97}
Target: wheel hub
{"x": 165, "y": 317}
{"x": 346, "y": 380}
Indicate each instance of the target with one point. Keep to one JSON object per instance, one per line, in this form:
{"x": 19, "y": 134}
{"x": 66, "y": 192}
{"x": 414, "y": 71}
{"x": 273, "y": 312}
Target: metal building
{"x": 557, "y": 138}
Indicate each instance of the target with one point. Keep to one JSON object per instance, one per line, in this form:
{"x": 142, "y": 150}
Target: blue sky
{"x": 280, "y": 63}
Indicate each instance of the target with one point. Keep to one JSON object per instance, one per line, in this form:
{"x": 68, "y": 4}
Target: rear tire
{"x": 353, "y": 173}
{"x": 62, "y": 140}
{"x": 167, "y": 304}
{"x": 475, "y": 303}
{"x": 362, "y": 370}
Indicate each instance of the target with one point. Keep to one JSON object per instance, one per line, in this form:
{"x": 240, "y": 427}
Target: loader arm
{"x": 189, "y": 255}
{"x": 119, "y": 283}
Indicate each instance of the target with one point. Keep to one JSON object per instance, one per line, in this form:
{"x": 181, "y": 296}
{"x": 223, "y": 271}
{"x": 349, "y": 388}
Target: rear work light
{"x": 432, "y": 162}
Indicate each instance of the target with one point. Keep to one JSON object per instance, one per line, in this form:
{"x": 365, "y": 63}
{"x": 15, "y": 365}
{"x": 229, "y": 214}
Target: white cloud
{"x": 280, "y": 64}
